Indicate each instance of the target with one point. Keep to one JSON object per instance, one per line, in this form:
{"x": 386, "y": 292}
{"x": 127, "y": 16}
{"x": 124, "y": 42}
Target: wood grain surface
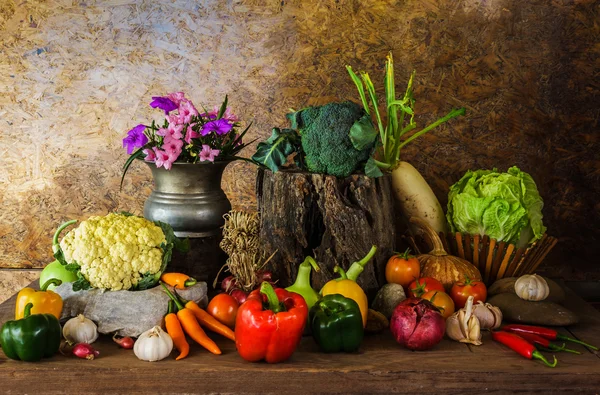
{"x": 380, "y": 366}
{"x": 75, "y": 76}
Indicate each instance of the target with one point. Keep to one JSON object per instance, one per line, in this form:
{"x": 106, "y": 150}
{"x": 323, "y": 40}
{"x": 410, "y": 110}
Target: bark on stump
{"x": 335, "y": 220}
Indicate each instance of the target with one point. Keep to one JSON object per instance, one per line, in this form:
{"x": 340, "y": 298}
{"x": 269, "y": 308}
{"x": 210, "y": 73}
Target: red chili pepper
{"x": 547, "y": 333}
{"x": 272, "y": 332}
{"x": 542, "y": 342}
{"x": 521, "y": 346}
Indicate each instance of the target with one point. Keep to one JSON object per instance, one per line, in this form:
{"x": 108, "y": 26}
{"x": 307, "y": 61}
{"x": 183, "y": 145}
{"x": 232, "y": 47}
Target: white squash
{"x": 532, "y": 287}
{"x": 153, "y": 345}
{"x": 415, "y": 197}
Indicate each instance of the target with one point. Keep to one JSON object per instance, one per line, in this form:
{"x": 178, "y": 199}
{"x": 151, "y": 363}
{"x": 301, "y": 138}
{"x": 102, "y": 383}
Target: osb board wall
{"x": 76, "y": 75}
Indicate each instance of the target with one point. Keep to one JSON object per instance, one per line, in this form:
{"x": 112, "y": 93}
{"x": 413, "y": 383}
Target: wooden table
{"x": 381, "y": 366}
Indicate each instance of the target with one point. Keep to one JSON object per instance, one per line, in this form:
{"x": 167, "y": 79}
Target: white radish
{"x": 415, "y": 197}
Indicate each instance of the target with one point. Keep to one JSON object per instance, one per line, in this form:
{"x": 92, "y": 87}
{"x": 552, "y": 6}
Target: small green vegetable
{"x": 337, "y": 324}
{"x": 302, "y": 284}
{"x": 31, "y": 338}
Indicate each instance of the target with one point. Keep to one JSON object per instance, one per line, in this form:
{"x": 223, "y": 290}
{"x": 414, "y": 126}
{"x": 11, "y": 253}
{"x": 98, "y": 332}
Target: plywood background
{"x": 76, "y": 75}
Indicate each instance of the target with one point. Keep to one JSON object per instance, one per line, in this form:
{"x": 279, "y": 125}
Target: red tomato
{"x": 461, "y": 290}
{"x": 224, "y": 308}
{"x": 442, "y": 301}
{"x": 424, "y": 284}
{"x": 402, "y": 269}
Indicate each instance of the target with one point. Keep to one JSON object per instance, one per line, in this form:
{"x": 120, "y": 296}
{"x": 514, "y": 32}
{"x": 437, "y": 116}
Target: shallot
{"x": 85, "y": 351}
{"x": 124, "y": 342}
{"x": 239, "y": 295}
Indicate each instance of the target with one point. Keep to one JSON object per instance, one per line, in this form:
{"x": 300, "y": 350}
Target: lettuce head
{"x": 505, "y": 206}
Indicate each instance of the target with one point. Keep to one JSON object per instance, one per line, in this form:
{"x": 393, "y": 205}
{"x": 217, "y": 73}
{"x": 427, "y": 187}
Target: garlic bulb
{"x": 490, "y": 317}
{"x": 463, "y": 326}
{"x": 80, "y": 330}
{"x": 532, "y": 287}
{"x": 153, "y": 345}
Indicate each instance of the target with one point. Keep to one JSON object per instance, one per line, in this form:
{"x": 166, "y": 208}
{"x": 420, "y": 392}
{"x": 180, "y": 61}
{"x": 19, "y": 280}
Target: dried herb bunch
{"x": 242, "y": 243}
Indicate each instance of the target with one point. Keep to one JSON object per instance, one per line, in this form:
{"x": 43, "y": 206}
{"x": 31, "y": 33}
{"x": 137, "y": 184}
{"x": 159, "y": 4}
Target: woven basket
{"x": 495, "y": 260}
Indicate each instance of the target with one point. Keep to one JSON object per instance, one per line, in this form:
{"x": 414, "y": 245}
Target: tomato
{"x": 424, "y": 284}
{"x": 461, "y": 290}
{"x": 442, "y": 301}
{"x": 224, "y": 308}
{"x": 402, "y": 269}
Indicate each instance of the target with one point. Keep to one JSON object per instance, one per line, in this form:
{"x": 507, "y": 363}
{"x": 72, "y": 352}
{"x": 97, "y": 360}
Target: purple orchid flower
{"x": 164, "y": 103}
{"x": 220, "y": 127}
{"x": 135, "y": 138}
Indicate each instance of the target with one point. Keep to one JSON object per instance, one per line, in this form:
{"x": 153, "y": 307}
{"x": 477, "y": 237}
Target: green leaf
{"x": 147, "y": 281}
{"x": 60, "y": 256}
{"x": 273, "y": 153}
{"x": 73, "y": 267}
{"x": 363, "y": 133}
{"x": 223, "y": 108}
{"x": 371, "y": 169}
{"x": 81, "y": 284}
{"x": 128, "y": 163}
{"x": 360, "y": 88}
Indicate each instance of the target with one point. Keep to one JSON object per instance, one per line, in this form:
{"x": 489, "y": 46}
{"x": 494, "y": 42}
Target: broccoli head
{"x": 325, "y": 138}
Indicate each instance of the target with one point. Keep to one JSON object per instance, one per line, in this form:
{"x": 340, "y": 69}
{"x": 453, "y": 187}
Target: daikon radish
{"x": 415, "y": 197}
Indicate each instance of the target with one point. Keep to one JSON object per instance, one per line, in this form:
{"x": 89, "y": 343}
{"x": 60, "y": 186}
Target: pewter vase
{"x": 189, "y": 198}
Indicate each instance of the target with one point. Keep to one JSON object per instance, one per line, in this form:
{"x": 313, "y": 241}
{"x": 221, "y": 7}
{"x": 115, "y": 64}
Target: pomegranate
{"x": 417, "y": 324}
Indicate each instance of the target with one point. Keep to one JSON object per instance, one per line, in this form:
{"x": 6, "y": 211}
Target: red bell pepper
{"x": 269, "y": 324}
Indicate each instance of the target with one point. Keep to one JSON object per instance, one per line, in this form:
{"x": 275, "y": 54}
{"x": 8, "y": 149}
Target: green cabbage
{"x": 504, "y": 206}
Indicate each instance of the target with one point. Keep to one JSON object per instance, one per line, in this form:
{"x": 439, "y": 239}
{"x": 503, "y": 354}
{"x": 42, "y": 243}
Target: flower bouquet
{"x": 185, "y": 135}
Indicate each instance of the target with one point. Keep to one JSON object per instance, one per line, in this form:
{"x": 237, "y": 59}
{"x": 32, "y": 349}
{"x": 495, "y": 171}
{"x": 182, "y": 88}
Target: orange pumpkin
{"x": 445, "y": 268}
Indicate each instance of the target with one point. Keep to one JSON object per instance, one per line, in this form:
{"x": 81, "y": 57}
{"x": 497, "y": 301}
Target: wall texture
{"x": 76, "y": 75}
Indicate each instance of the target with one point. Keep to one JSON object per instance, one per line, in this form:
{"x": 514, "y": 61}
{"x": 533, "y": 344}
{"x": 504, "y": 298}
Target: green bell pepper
{"x": 31, "y": 338}
{"x": 336, "y": 324}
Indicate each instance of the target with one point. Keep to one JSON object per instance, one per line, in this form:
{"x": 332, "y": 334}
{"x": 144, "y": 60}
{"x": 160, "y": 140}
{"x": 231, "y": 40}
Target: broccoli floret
{"x": 325, "y": 138}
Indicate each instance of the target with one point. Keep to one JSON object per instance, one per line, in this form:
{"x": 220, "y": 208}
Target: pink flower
{"x": 172, "y": 132}
{"x": 190, "y": 134}
{"x": 186, "y": 111}
{"x": 162, "y": 158}
{"x": 176, "y": 97}
{"x": 230, "y": 116}
{"x": 173, "y": 118}
{"x": 150, "y": 155}
{"x": 208, "y": 154}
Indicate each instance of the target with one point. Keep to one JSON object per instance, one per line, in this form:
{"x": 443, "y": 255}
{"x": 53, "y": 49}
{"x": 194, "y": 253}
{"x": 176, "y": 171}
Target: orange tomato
{"x": 402, "y": 269}
{"x": 442, "y": 301}
{"x": 224, "y": 308}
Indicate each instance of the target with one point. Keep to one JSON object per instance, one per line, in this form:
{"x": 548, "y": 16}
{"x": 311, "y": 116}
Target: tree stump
{"x": 335, "y": 220}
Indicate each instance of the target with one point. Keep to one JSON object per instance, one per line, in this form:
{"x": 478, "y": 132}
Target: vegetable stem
{"x": 274, "y": 304}
{"x": 55, "y": 243}
{"x": 54, "y": 281}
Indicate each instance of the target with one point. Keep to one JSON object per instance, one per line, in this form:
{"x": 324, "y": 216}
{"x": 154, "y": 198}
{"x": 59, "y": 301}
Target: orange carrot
{"x": 174, "y": 330}
{"x": 193, "y": 329}
{"x": 178, "y": 280}
{"x": 209, "y": 321}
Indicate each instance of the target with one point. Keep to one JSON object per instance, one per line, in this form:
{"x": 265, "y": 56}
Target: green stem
{"x": 173, "y": 298}
{"x": 341, "y": 272}
{"x": 171, "y": 307}
{"x": 538, "y": 355}
{"x": 274, "y": 303}
{"x": 554, "y": 347}
{"x": 303, "y": 277}
{"x": 404, "y": 255}
{"x": 382, "y": 165}
{"x": 27, "y": 311}
{"x": 56, "y": 282}
{"x": 450, "y": 115}
{"x": 189, "y": 282}
{"x": 566, "y": 338}
{"x": 55, "y": 243}
{"x": 357, "y": 267}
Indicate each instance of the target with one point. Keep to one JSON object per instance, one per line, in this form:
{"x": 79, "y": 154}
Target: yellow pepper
{"x": 44, "y": 301}
{"x": 350, "y": 289}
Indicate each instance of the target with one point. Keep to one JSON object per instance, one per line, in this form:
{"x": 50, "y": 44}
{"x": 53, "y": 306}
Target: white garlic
{"x": 532, "y": 287}
{"x": 463, "y": 326}
{"x": 153, "y": 345}
{"x": 490, "y": 317}
{"x": 80, "y": 330}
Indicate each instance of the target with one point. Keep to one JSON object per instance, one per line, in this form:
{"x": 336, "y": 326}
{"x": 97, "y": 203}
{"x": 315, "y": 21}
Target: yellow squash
{"x": 44, "y": 302}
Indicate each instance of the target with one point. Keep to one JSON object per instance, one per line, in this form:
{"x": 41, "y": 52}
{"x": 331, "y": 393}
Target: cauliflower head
{"x": 116, "y": 251}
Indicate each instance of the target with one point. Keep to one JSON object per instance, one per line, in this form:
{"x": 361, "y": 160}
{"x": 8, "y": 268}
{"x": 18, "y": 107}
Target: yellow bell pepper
{"x": 44, "y": 301}
{"x": 346, "y": 285}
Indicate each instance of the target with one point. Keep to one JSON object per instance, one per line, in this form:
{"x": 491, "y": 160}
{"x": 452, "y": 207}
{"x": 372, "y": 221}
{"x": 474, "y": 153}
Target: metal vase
{"x": 189, "y": 198}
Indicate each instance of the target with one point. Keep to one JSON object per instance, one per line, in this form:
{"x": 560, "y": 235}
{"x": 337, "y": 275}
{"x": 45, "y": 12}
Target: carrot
{"x": 174, "y": 330}
{"x": 178, "y": 280}
{"x": 193, "y": 329}
{"x": 209, "y": 321}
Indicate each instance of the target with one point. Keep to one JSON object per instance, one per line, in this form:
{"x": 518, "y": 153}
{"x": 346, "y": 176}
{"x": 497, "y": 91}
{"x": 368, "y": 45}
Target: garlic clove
{"x": 490, "y": 317}
{"x": 453, "y": 330}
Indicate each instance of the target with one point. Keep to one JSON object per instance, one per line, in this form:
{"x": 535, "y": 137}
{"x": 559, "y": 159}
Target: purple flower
{"x": 220, "y": 127}
{"x": 135, "y": 138}
{"x": 164, "y": 103}
{"x": 208, "y": 154}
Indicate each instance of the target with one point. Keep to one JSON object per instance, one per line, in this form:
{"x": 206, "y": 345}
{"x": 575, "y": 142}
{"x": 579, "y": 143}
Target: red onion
{"x": 264, "y": 275}
{"x": 417, "y": 324}
{"x": 84, "y": 350}
{"x": 228, "y": 284}
{"x": 124, "y": 342}
{"x": 239, "y": 295}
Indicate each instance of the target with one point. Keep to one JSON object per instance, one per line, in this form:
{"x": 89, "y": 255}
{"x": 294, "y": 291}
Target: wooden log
{"x": 335, "y": 220}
